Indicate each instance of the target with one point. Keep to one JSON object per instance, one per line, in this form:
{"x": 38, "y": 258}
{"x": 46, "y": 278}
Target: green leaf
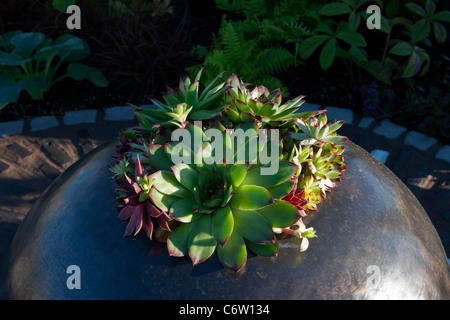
{"x": 335, "y": 9}
{"x": 358, "y": 53}
{"x": 384, "y": 24}
{"x": 222, "y": 224}
{"x": 354, "y": 20}
{"x": 35, "y": 87}
{"x": 430, "y": 8}
{"x": 308, "y": 46}
{"x": 166, "y": 183}
{"x": 79, "y": 71}
{"x": 253, "y": 226}
{"x": 328, "y": 54}
{"x": 254, "y": 177}
{"x": 416, "y": 9}
{"x": 71, "y": 47}
{"x": 402, "y": 49}
{"x": 183, "y": 210}
{"x": 61, "y": 5}
{"x": 250, "y": 197}
{"x": 373, "y": 67}
{"x": 443, "y": 16}
{"x": 205, "y": 114}
{"x": 420, "y": 30}
{"x": 352, "y": 38}
{"x": 25, "y": 43}
{"x": 177, "y": 243}
{"x": 439, "y": 32}
{"x": 202, "y": 243}
{"x": 186, "y": 175}
{"x": 6, "y": 38}
{"x": 282, "y": 189}
{"x": 11, "y": 59}
{"x": 237, "y": 173}
{"x": 234, "y": 253}
{"x": 161, "y": 200}
{"x": 281, "y": 214}
{"x": 159, "y": 158}
{"x": 10, "y": 93}
{"x": 265, "y": 250}
{"x": 413, "y": 66}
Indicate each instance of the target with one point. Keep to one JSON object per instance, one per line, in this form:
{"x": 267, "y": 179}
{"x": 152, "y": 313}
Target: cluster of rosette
{"x": 209, "y": 203}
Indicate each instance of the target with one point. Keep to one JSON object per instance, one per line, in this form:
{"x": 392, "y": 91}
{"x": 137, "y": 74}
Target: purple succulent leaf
{"x": 126, "y": 213}
{"x": 139, "y": 171}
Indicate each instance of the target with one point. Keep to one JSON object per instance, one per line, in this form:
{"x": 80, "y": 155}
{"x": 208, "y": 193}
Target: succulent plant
{"x": 223, "y": 207}
{"x": 183, "y": 105}
{"x": 207, "y": 190}
{"x": 136, "y": 205}
{"x": 261, "y": 105}
{"x": 317, "y": 130}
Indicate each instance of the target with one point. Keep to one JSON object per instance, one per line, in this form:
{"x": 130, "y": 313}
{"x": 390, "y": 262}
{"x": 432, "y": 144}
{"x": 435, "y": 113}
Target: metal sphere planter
{"x": 375, "y": 241}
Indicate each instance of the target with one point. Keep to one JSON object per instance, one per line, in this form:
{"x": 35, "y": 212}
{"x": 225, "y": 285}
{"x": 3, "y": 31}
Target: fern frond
{"x": 273, "y": 60}
{"x": 229, "y": 5}
{"x": 232, "y": 45}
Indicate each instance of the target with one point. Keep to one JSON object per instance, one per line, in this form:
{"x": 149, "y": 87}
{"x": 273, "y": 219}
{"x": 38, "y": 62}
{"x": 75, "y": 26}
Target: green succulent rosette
{"x": 222, "y": 207}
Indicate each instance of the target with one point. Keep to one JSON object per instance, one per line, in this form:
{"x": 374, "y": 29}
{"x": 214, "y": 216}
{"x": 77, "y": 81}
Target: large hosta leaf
{"x": 80, "y": 71}
{"x": 250, "y": 197}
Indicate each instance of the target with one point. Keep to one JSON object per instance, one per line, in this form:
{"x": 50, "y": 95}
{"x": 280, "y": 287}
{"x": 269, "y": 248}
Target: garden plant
{"x": 218, "y": 190}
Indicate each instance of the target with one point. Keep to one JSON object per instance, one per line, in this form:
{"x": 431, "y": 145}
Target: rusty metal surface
{"x": 375, "y": 241}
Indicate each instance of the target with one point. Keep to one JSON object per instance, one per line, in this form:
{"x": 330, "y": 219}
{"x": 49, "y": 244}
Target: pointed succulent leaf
{"x": 334, "y": 139}
{"x": 222, "y": 224}
{"x": 202, "y": 243}
{"x": 178, "y": 241}
{"x": 159, "y": 158}
{"x": 282, "y": 189}
{"x": 247, "y": 197}
{"x": 285, "y": 171}
{"x": 135, "y": 223}
{"x": 161, "y": 200}
{"x": 183, "y": 210}
{"x": 233, "y": 254}
{"x": 186, "y": 175}
{"x": 253, "y": 226}
{"x": 166, "y": 183}
{"x": 265, "y": 250}
{"x": 237, "y": 173}
{"x": 281, "y": 214}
